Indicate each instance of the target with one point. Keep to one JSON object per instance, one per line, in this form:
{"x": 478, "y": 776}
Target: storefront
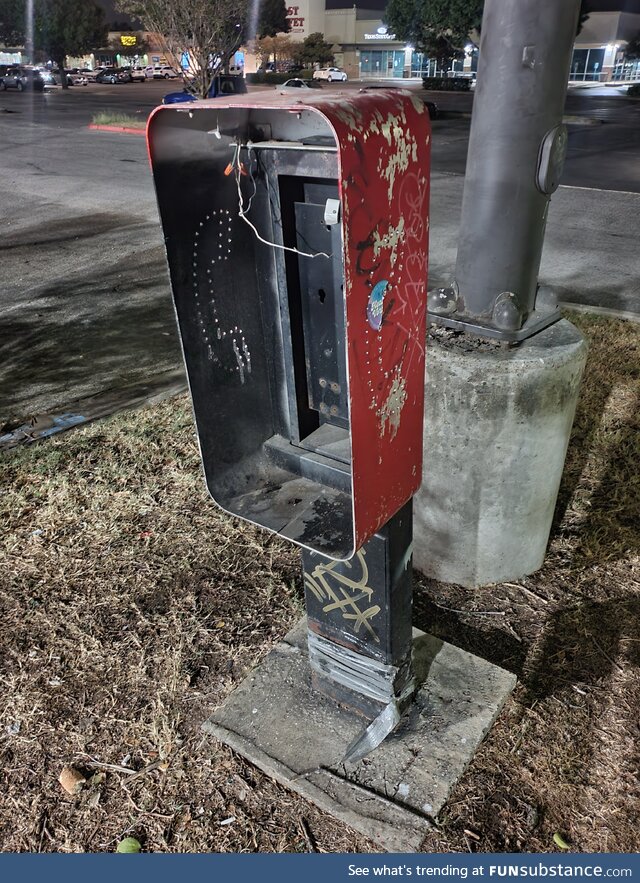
{"x": 598, "y": 53}
{"x": 368, "y": 49}
{"x": 382, "y": 63}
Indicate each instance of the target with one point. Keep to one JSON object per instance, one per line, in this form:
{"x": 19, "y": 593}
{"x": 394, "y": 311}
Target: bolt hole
{"x": 322, "y": 295}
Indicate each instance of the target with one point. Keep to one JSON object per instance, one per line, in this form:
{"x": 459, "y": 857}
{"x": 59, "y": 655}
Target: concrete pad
{"x": 299, "y": 737}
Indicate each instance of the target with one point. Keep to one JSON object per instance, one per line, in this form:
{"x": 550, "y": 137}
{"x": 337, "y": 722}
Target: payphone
{"x": 296, "y": 234}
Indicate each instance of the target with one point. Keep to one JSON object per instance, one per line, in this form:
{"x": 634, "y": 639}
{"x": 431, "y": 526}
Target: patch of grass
{"x": 131, "y": 607}
{"x": 115, "y": 118}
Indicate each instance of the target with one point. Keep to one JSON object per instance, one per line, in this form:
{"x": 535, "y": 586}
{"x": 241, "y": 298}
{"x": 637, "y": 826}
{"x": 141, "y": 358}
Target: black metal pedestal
{"x": 359, "y": 619}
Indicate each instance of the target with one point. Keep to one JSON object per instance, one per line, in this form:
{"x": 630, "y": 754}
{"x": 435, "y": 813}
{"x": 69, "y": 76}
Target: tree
{"x": 66, "y": 27}
{"x": 583, "y": 16}
{"x": 60, "y": 28}
{"x": 12, "y": 22}
{"x": 632, "y": 49}
{"x": 204, "y": 33}
{"x": 439, "y": 28}
{"x": 279, "y": 46}
{"x": 313, "y": 49}
{"x": 273, "y": 18}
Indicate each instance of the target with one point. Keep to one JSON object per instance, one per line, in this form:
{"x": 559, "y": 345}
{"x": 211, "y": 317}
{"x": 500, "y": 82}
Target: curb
{"x": 574, "y": 120}
{"x": 569, "y": 119}
{"x": 102, "y": 404}
{"x": 129, "y": 130}
{"x": 606, "y": 312}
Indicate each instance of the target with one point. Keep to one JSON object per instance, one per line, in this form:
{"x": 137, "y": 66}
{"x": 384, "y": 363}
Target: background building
{"x": 598, "y": 53}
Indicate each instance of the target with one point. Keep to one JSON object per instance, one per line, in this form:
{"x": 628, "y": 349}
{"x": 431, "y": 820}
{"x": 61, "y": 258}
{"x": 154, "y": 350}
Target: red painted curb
{"x": 129, "y": 130}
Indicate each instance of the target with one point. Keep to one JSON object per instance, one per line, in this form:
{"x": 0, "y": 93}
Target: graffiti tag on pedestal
{"x": 345, "y": 592}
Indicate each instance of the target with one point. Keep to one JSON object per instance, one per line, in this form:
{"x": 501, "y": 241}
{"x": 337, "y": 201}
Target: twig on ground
{"x": 112, "y": 767}
{"x": 308, "y": 835}
{"x": 526, "y": 591}
{"x": 471, "y": 612}
{"x": 604, "y": 653}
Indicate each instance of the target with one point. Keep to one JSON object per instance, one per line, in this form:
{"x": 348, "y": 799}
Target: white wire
{"x": 242, "y": 211}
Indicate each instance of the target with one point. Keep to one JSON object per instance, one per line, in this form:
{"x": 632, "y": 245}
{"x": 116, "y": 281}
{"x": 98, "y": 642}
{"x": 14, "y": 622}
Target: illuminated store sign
{"x": 295, "y": 19}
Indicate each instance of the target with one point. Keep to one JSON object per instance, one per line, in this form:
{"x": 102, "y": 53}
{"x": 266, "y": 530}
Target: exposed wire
{"x": 238, "y": 167}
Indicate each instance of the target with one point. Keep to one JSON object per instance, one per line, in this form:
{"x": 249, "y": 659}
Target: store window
{"x": 586, "y": 64}
{"x": 382, "y": 63}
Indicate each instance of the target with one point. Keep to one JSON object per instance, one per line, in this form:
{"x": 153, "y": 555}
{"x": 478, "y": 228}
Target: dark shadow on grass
{"x": 612, "y": 528}
{"x": 576, "y": 722}
{"x": 116, "y": 323}
{"x": 485, "y": 637}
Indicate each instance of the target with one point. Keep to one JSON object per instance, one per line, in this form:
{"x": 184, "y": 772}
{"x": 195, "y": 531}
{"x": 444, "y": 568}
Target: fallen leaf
{"x": 72, "y": 780}
{"x": 129, "y": 844}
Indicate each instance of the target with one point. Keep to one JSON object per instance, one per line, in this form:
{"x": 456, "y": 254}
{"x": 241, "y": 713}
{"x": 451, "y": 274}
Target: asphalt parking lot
{"x": 86, "y": 304}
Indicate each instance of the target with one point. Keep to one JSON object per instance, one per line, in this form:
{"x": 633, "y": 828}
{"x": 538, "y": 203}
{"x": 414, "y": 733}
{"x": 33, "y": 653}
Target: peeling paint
{"x": 405, "y": 151}
{"x": 391, "y": 239}
{"x": 418, "y": 104}
{"x": 392, "y": 409}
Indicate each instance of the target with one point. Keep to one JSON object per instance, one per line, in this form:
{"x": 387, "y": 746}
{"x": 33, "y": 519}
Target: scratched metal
{"x": 384, "y": 154}
{"x": 364, "y": 604}
{"x": 223, "y": 284}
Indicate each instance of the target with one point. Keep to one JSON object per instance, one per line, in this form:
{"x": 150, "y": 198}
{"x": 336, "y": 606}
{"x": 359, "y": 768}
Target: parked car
{"x": 17, "y": 77}
{"x": 223, "y": 84}
{"x": 297, "y": 85}
{"x": 53, "y": 78}
{"x": 75, "y": 78}
{"x": 137, "y": 73}
{"x": 160, "y": 72}
{"x": 113, "y": 75}
{"x": 331, "y": 74}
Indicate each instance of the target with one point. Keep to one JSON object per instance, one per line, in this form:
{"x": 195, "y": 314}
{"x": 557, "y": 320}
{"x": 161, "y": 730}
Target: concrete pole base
{"x": 299, "y": 737}
{"x": 497, "y": 425}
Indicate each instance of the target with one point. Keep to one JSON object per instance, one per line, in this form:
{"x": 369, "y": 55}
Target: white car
{"x": 160, "y": 72}
{"x": 297, "y": 85}
{"x": 137, "y": 73}
{"x": 332, "y": 74}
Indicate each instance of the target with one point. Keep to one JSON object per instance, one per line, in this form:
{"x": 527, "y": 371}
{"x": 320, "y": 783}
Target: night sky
{"x": 379, "y": 5}
{"x": 593, "y": 5}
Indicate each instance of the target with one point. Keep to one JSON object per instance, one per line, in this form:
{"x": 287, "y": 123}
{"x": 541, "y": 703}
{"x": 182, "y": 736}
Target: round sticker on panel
{"x": 375, "y": 307}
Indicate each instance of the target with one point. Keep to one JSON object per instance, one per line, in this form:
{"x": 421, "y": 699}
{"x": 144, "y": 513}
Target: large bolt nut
{"x": 507, "y": 312}
{"x": 442, "y": 301}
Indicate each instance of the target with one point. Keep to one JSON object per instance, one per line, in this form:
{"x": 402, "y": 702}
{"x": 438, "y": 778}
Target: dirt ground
{"x": 130, "y": 608}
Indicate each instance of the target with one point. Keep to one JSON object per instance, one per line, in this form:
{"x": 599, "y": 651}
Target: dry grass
{"x": 117, "y": 118}
{"x": 131, "y": 607}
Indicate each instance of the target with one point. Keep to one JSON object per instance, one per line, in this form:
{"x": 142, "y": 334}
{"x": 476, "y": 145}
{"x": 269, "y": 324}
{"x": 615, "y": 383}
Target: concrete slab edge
{"x": 607, "y": 312}
{"x": 94, "y": 407}
{"x": 413, "y": 826}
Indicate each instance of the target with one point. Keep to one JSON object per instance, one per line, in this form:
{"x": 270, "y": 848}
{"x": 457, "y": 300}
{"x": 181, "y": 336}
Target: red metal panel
{"x": 384, "y": 151}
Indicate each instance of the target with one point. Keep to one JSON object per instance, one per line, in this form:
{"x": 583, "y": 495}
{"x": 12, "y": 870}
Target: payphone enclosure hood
{"x": 302, "y": 321}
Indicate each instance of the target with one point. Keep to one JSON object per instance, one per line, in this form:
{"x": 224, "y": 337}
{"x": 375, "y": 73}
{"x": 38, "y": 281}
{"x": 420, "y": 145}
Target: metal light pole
{"x": 516, "y": 153}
